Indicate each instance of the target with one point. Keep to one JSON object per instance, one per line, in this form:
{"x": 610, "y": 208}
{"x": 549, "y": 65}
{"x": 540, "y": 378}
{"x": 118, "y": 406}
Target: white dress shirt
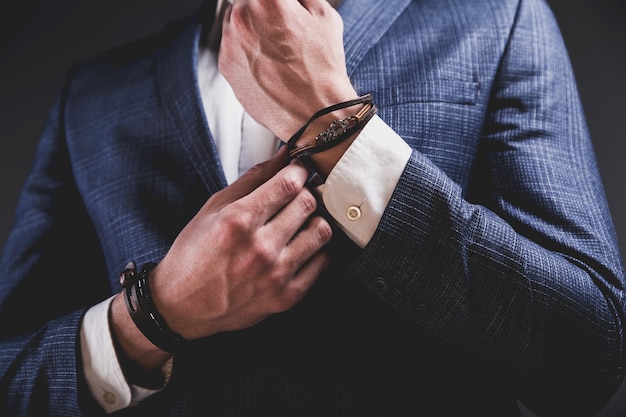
{"x": 355, "y": 194}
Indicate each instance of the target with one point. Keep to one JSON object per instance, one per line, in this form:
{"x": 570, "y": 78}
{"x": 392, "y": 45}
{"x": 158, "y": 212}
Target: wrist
{"x": 325, "y": 137}
{"x": 130, "y": 342}
{"x": 318, "y": 99}
{"x": 143, "y": 311}
{"x": 325, "y": 161}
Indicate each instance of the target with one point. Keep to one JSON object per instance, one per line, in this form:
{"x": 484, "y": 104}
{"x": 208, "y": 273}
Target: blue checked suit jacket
{"x": 494, "y": 274}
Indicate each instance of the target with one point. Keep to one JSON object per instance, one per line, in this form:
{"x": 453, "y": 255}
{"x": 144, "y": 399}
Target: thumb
{"x": 251, "y": 180}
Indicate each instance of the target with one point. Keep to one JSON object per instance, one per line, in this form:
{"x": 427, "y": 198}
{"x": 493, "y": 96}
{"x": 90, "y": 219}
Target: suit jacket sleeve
{"x": 39, "y": 359}
{"x": 521, "y": 267}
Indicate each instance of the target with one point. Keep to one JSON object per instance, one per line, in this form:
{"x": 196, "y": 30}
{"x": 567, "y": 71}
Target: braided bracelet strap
{"x": 337, "y": 132}
{"x": 143, "y": 311}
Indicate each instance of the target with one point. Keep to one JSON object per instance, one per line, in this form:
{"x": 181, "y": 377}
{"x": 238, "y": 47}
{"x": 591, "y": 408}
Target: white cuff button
{"x": 353, "y": 213}
{"x": 109, "y": 397}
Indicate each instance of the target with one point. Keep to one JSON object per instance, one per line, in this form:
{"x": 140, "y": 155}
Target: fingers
{"x": 286, "y": 223}
{"x": 308, "y": 241}
{"x": 250, "y": 181}
{"x": 306, "y": 261}
{"x": 270, "y": 197}
{"x": 262, "y": 172}
{"x": 305, "y": 278}
{"x": 275, "y": 8}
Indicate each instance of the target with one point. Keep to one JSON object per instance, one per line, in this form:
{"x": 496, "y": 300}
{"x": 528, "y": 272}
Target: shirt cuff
{"x": 103, "y": 373}
{"x": 359, "y": 187}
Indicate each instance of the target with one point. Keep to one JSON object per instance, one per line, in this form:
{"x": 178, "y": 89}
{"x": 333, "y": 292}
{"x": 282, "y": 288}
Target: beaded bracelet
{"x": 143, "y": 311}
{"x": 337, "y": 132}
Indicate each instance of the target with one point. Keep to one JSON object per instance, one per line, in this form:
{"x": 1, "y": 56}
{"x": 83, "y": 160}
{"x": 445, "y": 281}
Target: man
{"x": 459, "y": 254}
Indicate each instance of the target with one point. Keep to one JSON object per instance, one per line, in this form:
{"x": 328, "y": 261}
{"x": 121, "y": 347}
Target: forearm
{"x": 133, "y": 344}
{"x": 549, "y": 318}
{"x": 115, "y": 380}
{"x": 50, "y": 353}
{"x": 463, "y": 263}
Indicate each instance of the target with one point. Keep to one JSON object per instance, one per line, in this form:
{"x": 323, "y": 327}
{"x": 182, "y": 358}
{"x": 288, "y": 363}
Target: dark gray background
{"x": 40, "y": 39}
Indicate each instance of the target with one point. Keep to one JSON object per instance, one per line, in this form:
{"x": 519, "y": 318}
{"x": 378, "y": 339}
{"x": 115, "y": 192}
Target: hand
{"x": 252, "y": 250}
{"x": 284, "y": 60}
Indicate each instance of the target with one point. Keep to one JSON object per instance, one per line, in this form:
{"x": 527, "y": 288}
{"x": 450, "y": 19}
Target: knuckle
{"x": 264, "y": 254}
{"x": 222, "y": 63}
{"x": 336, "y": 19}
{"x": 238, "y": 12}
{"x": 309, "y": 204}
{"x": 325, "y": 231}
{"x": 257, "y": 168}
{"x": 295, "y": 295}
{"x": 287, "y": 300}
{"x": 236, "y": 221}
{"x": 290, "y": 185}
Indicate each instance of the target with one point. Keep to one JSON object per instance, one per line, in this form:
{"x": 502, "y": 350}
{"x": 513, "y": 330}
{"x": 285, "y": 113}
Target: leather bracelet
{"x": 337, "y": 132}
{"x": 143, "y": 311}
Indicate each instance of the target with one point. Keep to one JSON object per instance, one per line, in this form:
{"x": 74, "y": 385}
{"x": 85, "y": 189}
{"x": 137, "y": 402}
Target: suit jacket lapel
{"x": 178, "y": 87}
{"x": 365, "y": 22}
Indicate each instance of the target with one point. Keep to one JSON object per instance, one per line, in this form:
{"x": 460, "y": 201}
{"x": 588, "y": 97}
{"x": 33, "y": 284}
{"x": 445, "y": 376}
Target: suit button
{"x": 380, "y": 285}
{"x": 405, "y": 304}
{"x": 394, "y": 296}
{"x": 421, "y": 309}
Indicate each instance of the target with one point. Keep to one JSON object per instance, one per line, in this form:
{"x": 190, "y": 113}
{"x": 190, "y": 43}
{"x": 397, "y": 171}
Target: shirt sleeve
{"x": 360, "y": 186}
{"x": 103, "y": 373}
